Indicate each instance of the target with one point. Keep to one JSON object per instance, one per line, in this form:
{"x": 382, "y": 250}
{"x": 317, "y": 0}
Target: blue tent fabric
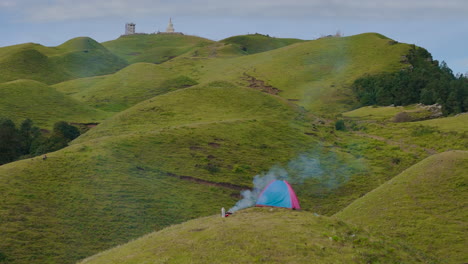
{"x": 278, "y": 194}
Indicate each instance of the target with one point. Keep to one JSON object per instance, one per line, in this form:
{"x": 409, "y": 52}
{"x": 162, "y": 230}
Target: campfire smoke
{"x": 328, "y": 171}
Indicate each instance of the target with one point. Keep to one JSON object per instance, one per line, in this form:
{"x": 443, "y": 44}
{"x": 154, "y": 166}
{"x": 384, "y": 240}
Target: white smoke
{"x": 330, "y": 174}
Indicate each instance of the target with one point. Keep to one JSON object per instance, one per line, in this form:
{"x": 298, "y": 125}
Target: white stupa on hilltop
{"x": 170, "y": 27}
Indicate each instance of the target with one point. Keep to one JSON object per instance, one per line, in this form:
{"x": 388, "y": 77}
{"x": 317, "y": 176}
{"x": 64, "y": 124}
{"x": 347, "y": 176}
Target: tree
{"x": 28, "y": 133}
{"x": 9, "y": 141}
{"x": 65, "y": 130}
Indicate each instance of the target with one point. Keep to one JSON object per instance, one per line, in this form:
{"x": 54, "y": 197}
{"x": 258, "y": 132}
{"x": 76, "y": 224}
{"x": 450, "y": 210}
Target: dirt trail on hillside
{"x": 403, "y": 146}
{"x": 210, "y": 183}
{"x": 260, "y": 85}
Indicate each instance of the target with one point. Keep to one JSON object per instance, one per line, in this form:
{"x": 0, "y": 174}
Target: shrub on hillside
{"x": 402, "y": 117}
{"x": 340, "y": 125}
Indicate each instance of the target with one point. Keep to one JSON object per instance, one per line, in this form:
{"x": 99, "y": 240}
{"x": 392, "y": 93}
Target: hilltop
{"x": 425, "y": 206}
{"x": 255, "y": 43}
{"x": 313, "y": 74}
{"x": 154, "y": 48}
{"x": 259, "y": 235}
{"x": 76, "y": 58}
{"x": 22, "y": 99}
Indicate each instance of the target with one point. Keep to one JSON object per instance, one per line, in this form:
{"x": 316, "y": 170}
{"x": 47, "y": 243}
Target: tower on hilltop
{"x": 170, "y": 27}
{"x": 129, "y": 29}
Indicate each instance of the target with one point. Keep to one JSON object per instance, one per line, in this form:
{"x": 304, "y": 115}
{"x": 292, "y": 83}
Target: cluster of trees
{"x": 425, "y": 81}
{"x": 27, "y": 140}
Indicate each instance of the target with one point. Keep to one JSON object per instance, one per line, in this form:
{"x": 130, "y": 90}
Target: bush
{"x": 340, "y": 125}
{"x": 402, "y": 117}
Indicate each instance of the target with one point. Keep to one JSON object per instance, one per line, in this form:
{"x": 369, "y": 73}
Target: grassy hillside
{"x": 154, "y": 48}
{"x": 259, "y": 235}
{"x": 87, "y": 198}
{"x": 125, "y": 88}
{"x": 42, "y": 104}
{"x": 104, "y": 190}
{"x": 429, "y": 136}
{"x": 28, "y": 62}
{"x": 256, "y": 43}
{"x": 313, "y": 74}
{"x": 124, "y": 178}
{"x": 79, "y": 57}
{"x": 425, "y": 206}
{"x": 188, "y": 134}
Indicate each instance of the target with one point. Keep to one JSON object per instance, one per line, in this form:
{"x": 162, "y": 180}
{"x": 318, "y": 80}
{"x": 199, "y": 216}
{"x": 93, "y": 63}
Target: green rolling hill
{"x": 256, "y": 43}
{"x": 22, "y": 99}
{"x": 313, "y": 74}
{"x": 131, "y": 85}
{"x": 154, "y": 48}
{"x": 185, "y": 125}
{"x": 76, "y": 58}
{"x": 260, "y": 235}
{"x": 423, "y": 206}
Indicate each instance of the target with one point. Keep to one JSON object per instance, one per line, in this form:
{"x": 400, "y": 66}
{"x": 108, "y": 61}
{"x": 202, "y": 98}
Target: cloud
{"x": 6, "y": 4}
{"x": 60, "y": 10}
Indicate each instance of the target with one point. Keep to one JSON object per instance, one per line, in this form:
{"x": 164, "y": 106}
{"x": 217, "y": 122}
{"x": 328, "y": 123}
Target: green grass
{"x": 424, "y": 206}
{"x": 260, "y": 235}
{"x": 386, "y": 113}
{"x": 457, "y": 123}
{"x": 79, "y": 57}
{"x": 42, "y": 104}
{"x": 116, "y": 176}
{"x": 315, "y": 74}
{"x": 108, "y": 189}
{"x": 135, "y": 83}
{"x": 256, "y": 43}
{"x": 86, "y": 198}
{"x": 178, "y": 133}
{"x": 154, "y": 48}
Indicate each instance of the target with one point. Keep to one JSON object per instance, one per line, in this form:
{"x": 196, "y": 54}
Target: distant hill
{"x": 131, "y": 85}
{"x": 256, "y": 43}
{"x": 314, "y": 74}
{"x": 260, "y": 235}
{"x": 154, "y": 48}
{"x": 22, "y": 99}
{"x": 76, "y": 58}
{"x": 425, "y": 206}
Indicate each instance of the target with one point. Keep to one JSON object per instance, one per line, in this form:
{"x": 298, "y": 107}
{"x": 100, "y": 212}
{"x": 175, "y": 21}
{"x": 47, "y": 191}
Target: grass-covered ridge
{"x": 314, "y": 74}
{"x": 154, "y": 48}
{"x": 22, "y": 99}
{"x": 259, "y": 235}
{"x": 256, "y": 43}
{"x": 425, "y": 206}
{"x": 76, "y": 58}
{"x": 131, "y": 85}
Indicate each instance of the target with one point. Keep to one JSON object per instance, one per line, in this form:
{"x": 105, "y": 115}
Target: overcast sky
{"x": 439, "y": 26}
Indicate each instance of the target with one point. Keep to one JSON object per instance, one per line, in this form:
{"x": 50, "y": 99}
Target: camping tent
{"x": 278, "y": 193}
